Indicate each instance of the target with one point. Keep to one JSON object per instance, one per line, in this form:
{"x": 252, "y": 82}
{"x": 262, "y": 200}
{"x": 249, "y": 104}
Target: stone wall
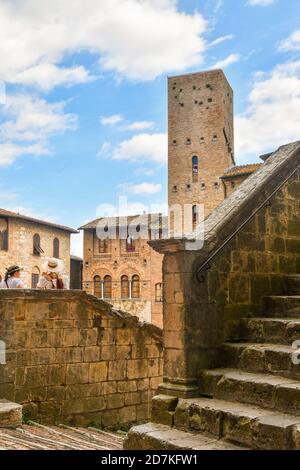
{"x": 73, "y": 359}
{"x": 200, "y": 316}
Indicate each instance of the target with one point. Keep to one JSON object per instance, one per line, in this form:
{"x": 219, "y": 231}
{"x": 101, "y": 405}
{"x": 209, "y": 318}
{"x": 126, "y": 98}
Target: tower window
{"x": 210, "y": 100}
{"x": 188, "y": 187}
{"x": 182, "y": 105}
{"x": 216, "y": 185}
{"x": 175, "y": 189}
{"x": 215, "y": 138}
{"x": 195, "y": 168}
{"x": 203, "y": 186}
{"x": 209, "y": 86}
{"x": 188, "y": 141}
{"x": 202, "y": 140}
{"x": 174, "y": 142}
{"x": 194, "y": 87}
{"x": 196, "y": 102}
{"x": 195, "y": 216}
{"x": 200, "y": 103}
{"x": 158, "y": 292}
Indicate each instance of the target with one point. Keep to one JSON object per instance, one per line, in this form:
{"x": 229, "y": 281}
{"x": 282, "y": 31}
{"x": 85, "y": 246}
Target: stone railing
{"x": 71, "y": 358}
{"x": 199, "y": 316}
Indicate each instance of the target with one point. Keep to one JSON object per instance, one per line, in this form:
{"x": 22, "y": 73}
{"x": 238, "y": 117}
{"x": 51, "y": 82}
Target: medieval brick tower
{"x": 201, "y": 139}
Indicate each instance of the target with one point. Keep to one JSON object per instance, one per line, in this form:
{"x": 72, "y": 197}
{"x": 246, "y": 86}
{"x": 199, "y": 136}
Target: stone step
{"x": 271, "y": 358}
{"x": 270, "y": 330}
{"x": 10, "y": 414}
{"x": 293, "y": 285}
{"x": 264, "y": 390}
{"x": 241, "y": 424}
{"x": 154, "y": 436}
{"x": 282, "y": 306}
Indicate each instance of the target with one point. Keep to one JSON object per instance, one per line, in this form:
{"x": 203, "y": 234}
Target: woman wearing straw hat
{"x": 12, "y": 278}
{"x": 51, "y": 279}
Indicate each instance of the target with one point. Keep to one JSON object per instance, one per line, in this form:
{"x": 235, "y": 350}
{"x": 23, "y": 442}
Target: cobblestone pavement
{"x": 38, "y": 437}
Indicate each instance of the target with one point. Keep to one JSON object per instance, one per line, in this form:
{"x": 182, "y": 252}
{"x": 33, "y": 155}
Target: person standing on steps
{"x": 12, "y": 278}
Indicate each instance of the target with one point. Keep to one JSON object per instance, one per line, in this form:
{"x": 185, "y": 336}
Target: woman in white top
{"x": 12, "y": 279}
{"x": 51, "y": 279}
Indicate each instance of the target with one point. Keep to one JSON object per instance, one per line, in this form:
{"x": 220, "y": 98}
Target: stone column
{"x": 190, "y": 337}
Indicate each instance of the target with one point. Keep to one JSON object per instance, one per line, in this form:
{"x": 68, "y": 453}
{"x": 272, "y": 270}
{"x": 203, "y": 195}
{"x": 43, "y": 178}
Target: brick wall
{"x": 72, "y": 359}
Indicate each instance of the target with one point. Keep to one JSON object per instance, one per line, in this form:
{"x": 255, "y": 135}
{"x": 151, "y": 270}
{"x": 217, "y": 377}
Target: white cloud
{"x": 292, "y": 43}
{"x": 47, "y": 76}
{"x": 111, "y": 120}
{"x": 139, "y": 126}
{"x": 138, "y": 39}
{"x": 27, "y": 125}
{"x": 221, "y": 39}
{"x": 143, "y": 147}
{"x": 262, "y": 3}
{"x": 273, "y": 114}
{"x": 231, "y": 59}
{"x": 142, "y": 188}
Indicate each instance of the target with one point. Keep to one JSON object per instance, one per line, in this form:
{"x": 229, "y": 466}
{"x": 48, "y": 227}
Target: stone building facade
{"x": 123, "y": 269}
{"x": 236, "y": 175}
{"x": 201, "y": 140}
{"x": 201, "y": 171}
{"x": 27, "y": 242}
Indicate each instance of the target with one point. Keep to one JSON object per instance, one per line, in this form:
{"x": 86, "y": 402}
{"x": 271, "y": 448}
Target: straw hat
{"x": 13, "y": 269}
{"x": 53, "y": 265}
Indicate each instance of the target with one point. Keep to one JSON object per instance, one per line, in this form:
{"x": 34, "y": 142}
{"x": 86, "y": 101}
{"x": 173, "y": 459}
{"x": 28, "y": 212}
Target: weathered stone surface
{"x": 10, "y": 414}
{"x": 158, "y": 437}
{"x": 61, "y": 371}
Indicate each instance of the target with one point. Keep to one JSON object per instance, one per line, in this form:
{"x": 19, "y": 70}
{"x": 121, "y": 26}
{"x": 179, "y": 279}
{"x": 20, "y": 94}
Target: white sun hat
{"x": 53, "y": 265}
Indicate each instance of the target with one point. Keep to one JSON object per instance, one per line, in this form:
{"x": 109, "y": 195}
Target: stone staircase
{"x": 253, "y": 401}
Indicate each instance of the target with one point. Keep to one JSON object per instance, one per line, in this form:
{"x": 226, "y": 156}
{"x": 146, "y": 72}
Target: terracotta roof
{"x": 241, "y": 170}
{"x": 130, "y": 218}
{"x": 14, "y": 215}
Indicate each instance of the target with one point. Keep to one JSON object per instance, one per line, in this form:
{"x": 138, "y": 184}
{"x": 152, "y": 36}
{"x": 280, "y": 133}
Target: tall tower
{"x": 201, "y": 138}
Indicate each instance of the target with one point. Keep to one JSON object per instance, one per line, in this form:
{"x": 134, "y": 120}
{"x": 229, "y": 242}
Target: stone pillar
{"x": 187, "y": 330}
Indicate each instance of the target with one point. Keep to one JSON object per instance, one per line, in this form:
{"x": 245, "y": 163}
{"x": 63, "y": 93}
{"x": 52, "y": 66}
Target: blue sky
{"x": 84, "y": 117}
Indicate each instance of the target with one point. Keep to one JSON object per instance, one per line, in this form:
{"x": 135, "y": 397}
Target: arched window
{"x": 195, "y": 216}
{"x": 37, "y": 250}
{"x": 97, "y": 287}
{"x": 158, "y": 292}
{"x": 195, "y": 168}
{"x": 107, "y": 287}
{"x": 125, "y": 294}
{"x": 130, "y": 245}
{"x": 56, "y": 248}
{"x": 35, "y": 276}
{"x": 135, "y": 287}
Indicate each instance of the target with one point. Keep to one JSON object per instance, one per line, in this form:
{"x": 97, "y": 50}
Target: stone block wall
{"x": 73, "y": 359}
{"x": 200, "y": 314}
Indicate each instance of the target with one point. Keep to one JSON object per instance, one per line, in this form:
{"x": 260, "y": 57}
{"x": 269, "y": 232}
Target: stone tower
{"x": 201, "y": 139}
